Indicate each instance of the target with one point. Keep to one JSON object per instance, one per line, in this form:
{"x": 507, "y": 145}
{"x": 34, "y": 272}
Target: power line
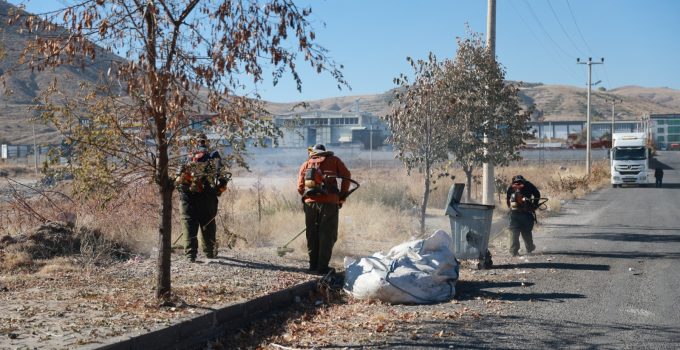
{"x": 577, "y": 28}
{"x": 606, "y": 77}
{"x": 580, "y": 33}
{"x": 549, "y": 52}
{"x": 563, "y": 29}
{"x": 540, "y": 24}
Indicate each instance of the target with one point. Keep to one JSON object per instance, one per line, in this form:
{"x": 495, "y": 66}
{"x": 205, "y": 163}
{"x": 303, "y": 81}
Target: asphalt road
{"x": 606, "y": 275}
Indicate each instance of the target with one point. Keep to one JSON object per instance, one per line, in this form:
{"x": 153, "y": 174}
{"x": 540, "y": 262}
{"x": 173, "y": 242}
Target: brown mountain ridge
{"x": 557, "y": 102}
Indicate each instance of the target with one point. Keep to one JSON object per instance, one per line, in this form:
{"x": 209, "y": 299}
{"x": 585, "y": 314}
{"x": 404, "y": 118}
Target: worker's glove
{"x": 340, "y": 204}
{"x": 343, "y": 196}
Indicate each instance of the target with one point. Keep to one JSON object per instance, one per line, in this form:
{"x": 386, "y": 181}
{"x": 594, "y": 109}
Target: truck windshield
{"x": 629, "y": 153}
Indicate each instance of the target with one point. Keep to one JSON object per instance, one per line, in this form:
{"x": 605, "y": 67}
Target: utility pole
{"x": 613, "y": 101}
{"x": 370, "y": 147}
{"x": 35, "y": 150}
{"x": 588, "y": 137}
{"x": 487, "y": 168}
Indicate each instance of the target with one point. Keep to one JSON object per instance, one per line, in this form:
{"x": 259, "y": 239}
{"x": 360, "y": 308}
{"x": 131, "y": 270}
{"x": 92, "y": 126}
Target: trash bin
{"x": 470, "y": 228}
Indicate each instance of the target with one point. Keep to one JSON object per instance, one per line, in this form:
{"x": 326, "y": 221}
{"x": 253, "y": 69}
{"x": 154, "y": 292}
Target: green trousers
{"x": 198, "y": 211}
{"x": 521, "y": 223}
{"x": 321, "y": 220}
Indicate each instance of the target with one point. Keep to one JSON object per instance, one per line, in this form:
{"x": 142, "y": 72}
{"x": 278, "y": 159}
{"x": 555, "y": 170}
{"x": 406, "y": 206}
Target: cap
{"x": 518, "y": 178}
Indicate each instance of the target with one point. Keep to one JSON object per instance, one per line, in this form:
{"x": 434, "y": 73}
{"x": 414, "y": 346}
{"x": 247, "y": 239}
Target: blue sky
{"x": 537, "y": 41}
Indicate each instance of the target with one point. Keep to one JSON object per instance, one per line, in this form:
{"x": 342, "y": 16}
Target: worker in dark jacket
{"x": 199, "y": 184}
{"x": 318, "y": 184}
{"x": 658, "y": 175}
{"x": 522, "y": 198}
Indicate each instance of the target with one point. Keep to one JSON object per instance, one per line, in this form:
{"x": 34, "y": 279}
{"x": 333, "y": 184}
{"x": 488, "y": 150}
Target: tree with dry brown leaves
{"x": 480, "y": 102}
{"x": 176, "y": 59}
{"x": 418, "y": 123}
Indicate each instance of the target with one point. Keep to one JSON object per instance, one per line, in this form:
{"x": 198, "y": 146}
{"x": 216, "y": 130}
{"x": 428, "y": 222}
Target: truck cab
{"x": 629, "y": 159}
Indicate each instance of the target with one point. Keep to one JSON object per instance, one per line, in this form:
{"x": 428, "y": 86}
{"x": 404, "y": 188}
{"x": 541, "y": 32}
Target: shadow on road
{"x": 255, "y": 265}
{"x": 616, "y": 255}
{"x": 558, "y": 266}
{"x": 547, "y": 297}
{"x": 628, "y": 237}
{"x": 655, "y": 163}
{"x": 469, "y": 286}
{"x": 469, "y": 290}
{"x": 612, "y": 228}
{"x": 665, "y": 186}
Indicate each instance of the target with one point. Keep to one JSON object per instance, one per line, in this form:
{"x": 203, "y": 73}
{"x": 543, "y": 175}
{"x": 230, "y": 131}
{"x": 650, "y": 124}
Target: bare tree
{"x": 180, "y": 58}
{"x": 418, "y": 123}
{"x": 481, "y": 103}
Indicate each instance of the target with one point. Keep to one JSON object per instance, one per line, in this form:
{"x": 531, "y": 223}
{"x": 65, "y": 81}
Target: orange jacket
{"x": 331, "y": 166}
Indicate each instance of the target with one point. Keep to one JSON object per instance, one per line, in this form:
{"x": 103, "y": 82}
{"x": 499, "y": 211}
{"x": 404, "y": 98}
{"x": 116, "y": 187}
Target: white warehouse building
{"x": 303, "y": 129}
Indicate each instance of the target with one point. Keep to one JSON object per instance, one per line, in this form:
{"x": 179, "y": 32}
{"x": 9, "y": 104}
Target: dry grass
{"x": 131, "y": 218}
{"x": 15, "y": 261}
{"x": 383, "y": 212}
{"x": 373, "y": 214}
{"x": 58, "y": 266}
{"x": 15, "y": 169}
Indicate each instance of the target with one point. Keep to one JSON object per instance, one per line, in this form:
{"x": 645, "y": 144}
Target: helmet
{"x": 201, "y": 137}
{"x": 200, "y": 140}
{"x": 518, "y": 178}
{"x": 319, "y": 148}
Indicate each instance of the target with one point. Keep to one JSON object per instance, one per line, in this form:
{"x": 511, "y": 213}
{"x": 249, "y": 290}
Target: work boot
{"x": 192, "y": 259}
{"x": 531, "y": 249}
{"x": 513, "y": 254}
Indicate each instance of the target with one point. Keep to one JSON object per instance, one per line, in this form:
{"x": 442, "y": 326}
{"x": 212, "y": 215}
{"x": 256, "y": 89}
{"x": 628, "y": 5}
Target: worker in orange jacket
{"x": 318, "y": 186}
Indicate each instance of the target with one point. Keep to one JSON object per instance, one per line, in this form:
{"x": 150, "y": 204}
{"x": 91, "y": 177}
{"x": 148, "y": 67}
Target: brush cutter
{"x": 281, "y": 251}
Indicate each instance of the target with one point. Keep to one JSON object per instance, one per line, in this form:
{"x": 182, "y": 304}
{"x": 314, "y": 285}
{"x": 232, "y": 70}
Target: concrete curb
{"x": 193, "y": 333}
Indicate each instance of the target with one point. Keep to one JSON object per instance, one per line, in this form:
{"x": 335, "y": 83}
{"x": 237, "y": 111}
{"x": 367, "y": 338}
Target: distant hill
{"x": 23, "y": 84}
{"x": 557, "y": 102}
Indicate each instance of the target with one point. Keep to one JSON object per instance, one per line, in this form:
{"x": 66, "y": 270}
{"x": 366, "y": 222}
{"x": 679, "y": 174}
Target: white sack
{"x": 416, "y": 272}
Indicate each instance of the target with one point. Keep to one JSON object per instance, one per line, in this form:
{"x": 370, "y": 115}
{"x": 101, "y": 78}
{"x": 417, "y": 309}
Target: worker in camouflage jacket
{"x": 199, "y": 182}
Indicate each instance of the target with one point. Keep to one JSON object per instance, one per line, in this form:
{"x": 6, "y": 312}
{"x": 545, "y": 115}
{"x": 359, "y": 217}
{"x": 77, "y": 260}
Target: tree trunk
{"x": 157, "y": 84}
{"x": 165, "y": 188}
{"x": 426, "y": 196}
{"x": 468, "y": 183}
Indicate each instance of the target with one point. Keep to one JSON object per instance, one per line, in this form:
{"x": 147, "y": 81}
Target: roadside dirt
{"x": 65, "y": 305}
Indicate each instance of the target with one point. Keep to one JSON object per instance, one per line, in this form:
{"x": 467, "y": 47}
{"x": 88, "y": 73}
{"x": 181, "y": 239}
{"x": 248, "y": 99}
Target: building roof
{"x": 321, "y": 113}
{"x": 663, "y": 116}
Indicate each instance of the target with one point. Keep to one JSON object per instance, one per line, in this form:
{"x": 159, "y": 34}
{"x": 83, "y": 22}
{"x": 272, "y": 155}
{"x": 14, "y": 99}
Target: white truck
{"x": 629, "y": 159}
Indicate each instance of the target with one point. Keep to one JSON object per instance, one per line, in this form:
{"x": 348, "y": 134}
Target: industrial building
{"x": 335, "y": 128}
{"x": 665, "y": 130}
